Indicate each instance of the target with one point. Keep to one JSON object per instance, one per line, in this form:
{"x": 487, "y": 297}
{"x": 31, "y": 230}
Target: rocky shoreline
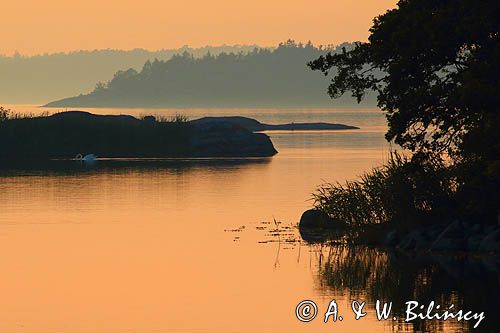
{"x": 226, "y": 139}
{"x": 256, "y": 126}
{"x": 458, "y": 236}
{"x": 455, "y": 237}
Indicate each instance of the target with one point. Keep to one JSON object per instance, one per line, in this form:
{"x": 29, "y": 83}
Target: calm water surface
{"x": 184, "y": 245}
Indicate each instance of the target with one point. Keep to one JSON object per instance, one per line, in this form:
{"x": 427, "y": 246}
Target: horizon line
{"x": 17, "y": 54}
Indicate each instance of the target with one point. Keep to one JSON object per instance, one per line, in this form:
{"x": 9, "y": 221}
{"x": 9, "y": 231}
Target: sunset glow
{"x": 33, "y": 27}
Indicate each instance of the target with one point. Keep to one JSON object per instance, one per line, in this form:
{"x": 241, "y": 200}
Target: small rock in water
{"x": 315, "y": 219}
{"x": 316, "y": 226}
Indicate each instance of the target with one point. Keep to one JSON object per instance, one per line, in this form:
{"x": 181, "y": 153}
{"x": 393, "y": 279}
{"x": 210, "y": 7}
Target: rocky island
{"x": 66, "y": 134}
{"x": 256, "y": 126}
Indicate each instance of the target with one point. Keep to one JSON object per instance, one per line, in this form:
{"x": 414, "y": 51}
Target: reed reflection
{"x": 470, "y": 283}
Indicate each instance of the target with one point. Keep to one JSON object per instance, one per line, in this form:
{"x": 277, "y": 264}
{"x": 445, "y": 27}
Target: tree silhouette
{"x": 440, "y": 63}
{"x": 435, "y": 67}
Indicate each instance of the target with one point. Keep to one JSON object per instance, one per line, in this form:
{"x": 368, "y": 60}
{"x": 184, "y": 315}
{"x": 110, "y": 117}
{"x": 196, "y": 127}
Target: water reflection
{"x": 140, "y": 245}
{"x": 73, "y": 167}
{"x": 470, "y": 283}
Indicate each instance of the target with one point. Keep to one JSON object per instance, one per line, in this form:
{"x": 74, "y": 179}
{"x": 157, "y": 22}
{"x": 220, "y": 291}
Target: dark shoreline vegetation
{"x": 408, "y": 206}
{"x": 66, "y": 134}
{"x": 436, "y": 77}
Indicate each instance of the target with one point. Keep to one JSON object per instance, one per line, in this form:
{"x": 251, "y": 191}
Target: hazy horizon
{"x": 194, "y": 49}
{"x": 52, "y": 77}
{"x": 42, "y": 78}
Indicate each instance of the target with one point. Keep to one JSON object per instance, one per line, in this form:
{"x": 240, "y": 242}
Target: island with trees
{"x": 263, "y": 77}
{"x": 36, "y": 79}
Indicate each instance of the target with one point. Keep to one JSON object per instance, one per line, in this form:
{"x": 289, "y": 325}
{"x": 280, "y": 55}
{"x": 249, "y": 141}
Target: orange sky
{"x": 38, "y": 26}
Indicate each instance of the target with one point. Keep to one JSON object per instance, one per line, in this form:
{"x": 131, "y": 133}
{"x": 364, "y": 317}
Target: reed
{"x": 400, "y": 192}
{"x": 4, "y": 114}
{"x": 176, "y": 118}
{"x": 7, "y": 114}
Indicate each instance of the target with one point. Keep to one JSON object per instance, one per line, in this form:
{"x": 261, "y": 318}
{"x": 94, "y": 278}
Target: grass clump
{"x": 8, "y": 114}
{"x": 176, "y": 118}
{"x": 401, "y": 192}
{"x": 4, "y": 114}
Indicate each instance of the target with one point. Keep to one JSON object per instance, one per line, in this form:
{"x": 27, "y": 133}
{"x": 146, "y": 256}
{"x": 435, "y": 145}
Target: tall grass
{"x": 176, "y": 118}
{"x": 8, "y": 114}
{"x": 4, "y": 114}
{"x": 400, "y": 192}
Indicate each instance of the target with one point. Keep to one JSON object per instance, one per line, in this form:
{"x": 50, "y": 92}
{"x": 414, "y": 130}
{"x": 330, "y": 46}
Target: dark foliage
{"x": 399, "y": 191}
{"x": 440, "y": 62}
{"x": 435, "y": 66}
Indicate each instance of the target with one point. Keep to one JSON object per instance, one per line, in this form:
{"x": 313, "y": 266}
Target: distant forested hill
{"x": 260, "y": 78}
{"x": 41, "y": 78}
